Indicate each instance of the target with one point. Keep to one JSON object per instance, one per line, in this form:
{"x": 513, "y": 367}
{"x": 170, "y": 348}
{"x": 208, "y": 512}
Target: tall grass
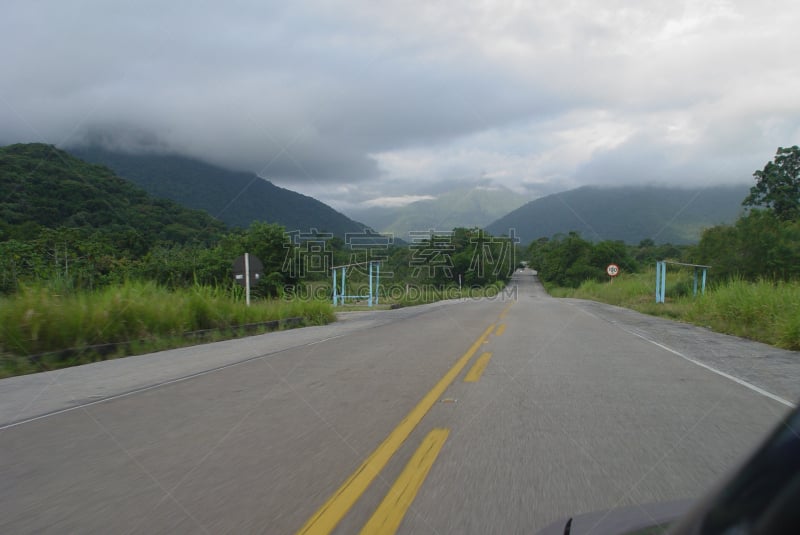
{"x": 35, "y": 320}
{"x": 623, "y": 291}
{"x": 765, "y": 311}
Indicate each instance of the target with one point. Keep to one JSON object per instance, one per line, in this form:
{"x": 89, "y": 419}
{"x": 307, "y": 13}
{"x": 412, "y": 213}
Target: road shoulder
{"x": 772, "y": 369}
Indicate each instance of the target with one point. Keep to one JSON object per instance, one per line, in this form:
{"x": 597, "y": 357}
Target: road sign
{"x": 247, "y": 270}
{"x": 255, "y": 267}
{"x": 612, "y": 270}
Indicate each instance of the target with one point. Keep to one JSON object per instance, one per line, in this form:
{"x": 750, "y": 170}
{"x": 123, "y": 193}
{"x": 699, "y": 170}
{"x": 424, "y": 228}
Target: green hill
{"x": 630, "y": 213}
{"x": 235, "y": 197}
{"x": 41, "y": 186}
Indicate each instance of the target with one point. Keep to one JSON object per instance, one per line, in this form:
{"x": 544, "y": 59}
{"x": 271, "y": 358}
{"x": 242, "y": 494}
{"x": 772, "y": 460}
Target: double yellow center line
{"x": 390, "y": 512}
{"x": 332, "y": 511}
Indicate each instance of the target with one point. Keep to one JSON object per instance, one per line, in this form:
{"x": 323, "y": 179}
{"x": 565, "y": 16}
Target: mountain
{"x": 469, "y": 207}
{"x": 45, "y": 187}
{"x": 627, "y": 213}
{"x": 235, "y": 197}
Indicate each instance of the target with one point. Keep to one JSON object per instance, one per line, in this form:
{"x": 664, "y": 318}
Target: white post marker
{"x": 247, "y": 277}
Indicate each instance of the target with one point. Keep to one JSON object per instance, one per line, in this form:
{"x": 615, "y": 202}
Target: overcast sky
{"x": 358, "y": 101}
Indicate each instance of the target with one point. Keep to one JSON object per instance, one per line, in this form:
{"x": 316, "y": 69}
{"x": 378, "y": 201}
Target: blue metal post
{"x": 334, "y": 287}
{"x": 344, "y": 292}
{"x": 661, "y": 281}
{"x": 705, "y": 272}
{"x": 658, "y": 282}
{"x": 369, "y": 299}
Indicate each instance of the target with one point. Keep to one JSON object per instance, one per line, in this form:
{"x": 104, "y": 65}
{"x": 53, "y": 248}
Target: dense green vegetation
{"x": 44, "y": 187}
{"x": 88, "y": 259}
{"x": 568, "y": 261}
{"x": 758, "y": 246}
{"x": 764, "y": 243}
{"x": 778, "y": 185}
{"x": 443, "y": 265}
{"x": 36, "y": 325}
{"x": 76, "y": 226}
{"x": 68, "y": 253}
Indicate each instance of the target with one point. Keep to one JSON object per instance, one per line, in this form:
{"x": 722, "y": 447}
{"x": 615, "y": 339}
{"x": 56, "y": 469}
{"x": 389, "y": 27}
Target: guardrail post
{"x": 344, "y": 291}
{"x": 658, "y": 281}
{"x": 334, "y": 287}
{"x": 661, "y": 281}
{"x": 369, "y": 299}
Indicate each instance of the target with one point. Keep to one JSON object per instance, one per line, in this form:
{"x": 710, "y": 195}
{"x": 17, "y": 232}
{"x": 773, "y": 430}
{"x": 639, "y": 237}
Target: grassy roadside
{"x": 765, "y": 311}
{"x": 41, "y": 329}
{"x": 142, "y": 317}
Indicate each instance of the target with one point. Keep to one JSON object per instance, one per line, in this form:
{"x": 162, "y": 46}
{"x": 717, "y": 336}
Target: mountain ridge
{"x": 46, "y": 187}
{"x": 628, "y": 213}
{"x": 235, "y": 197}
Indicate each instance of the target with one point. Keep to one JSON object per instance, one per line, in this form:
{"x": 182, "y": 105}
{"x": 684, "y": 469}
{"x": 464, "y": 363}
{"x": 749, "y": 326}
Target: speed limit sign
{"x": 612, "y": 270}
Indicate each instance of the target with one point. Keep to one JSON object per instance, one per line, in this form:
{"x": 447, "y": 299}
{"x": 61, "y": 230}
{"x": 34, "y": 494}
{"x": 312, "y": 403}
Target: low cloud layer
{"x": 352, "y": 101}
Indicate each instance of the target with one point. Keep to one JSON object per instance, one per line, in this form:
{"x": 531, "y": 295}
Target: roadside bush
{"x": 35, "y": 320}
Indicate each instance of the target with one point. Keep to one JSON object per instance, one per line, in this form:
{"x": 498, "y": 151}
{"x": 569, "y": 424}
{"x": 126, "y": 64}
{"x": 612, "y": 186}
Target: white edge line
{"x": 742, "y": 382}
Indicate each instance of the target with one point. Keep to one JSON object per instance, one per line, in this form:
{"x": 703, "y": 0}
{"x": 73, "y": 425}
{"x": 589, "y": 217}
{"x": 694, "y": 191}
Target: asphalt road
{"x": 570, "y": 407}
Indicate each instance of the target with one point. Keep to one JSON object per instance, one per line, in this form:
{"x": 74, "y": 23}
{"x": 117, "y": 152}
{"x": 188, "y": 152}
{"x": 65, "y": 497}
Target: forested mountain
{"x": 237, "y": 198}
{"x": 630, "y": 213}
{"x": 44, "y": 187}
{"x": 467, "y": 207}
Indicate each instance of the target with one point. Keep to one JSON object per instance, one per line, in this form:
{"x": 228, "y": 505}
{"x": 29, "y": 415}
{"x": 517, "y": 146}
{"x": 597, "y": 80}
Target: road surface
{"x": 477, "y": 416}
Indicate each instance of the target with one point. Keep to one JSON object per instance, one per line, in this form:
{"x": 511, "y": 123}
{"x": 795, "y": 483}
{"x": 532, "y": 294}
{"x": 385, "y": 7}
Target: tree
{"x": 778, "y": 185}
{"x": 758, "y": 245}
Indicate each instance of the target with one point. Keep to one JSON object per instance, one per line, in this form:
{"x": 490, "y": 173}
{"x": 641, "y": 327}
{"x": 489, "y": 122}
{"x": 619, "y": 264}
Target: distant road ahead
{"x": 481, "y": 416}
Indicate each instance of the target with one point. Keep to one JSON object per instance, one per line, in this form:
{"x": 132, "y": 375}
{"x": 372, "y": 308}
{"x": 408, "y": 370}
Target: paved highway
{"x": 478, "y": 416}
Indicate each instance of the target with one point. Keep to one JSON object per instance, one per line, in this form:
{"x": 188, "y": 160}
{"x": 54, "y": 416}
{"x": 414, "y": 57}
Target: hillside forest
{"x": 75, "y": 226}
{"x": 763, "y": 244}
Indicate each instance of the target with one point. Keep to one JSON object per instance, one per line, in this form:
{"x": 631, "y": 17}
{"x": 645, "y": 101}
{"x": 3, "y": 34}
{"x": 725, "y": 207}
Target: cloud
{"x": 395, "y": 202}
{"x": 367, "y": 100}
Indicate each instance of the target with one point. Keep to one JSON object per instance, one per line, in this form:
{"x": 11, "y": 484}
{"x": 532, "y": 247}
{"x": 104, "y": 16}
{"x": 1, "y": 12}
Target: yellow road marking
{"x": 387, "y": 517}
{"x": 505, "y": 310}
{"x": 477, "y": 369}
{"x": 500, "y": 329}
{"x": 333, "y": 510}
